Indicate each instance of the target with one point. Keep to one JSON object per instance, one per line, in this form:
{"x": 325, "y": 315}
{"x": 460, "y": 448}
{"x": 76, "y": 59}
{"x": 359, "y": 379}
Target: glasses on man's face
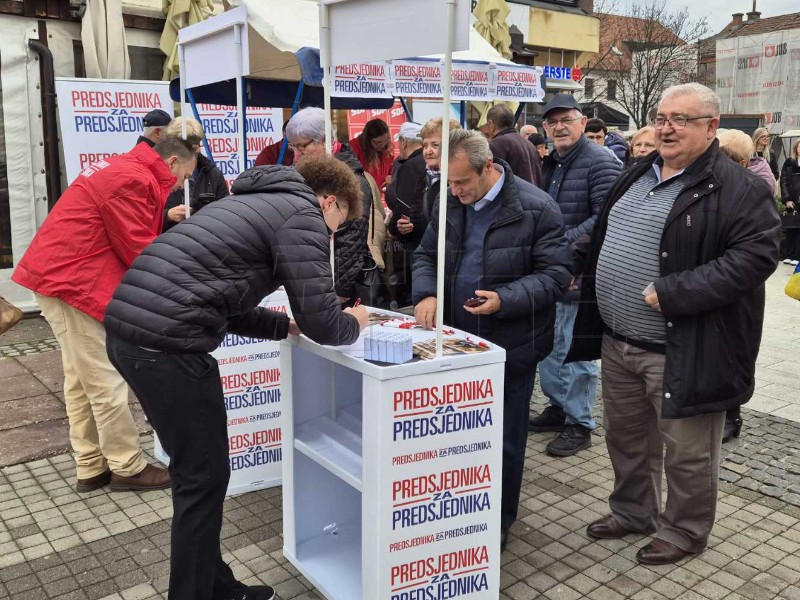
{"x": 677, "y": 122}
{"x": 342, "y": 213}
{"x": 301, "y": 148}
{"x": 566, "y": 121}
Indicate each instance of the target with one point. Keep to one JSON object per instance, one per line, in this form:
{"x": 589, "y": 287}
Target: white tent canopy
{"x": 288, "y": 25}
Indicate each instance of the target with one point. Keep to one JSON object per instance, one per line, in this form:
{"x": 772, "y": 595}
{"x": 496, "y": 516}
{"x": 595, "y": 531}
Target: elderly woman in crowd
{"x": 643, "y": 142}
{"x": 739, "y": 147}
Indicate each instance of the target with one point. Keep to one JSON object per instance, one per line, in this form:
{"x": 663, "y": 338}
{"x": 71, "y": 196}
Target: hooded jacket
{"x": 109, "y": 214}
{"x": 207, "y": 275}
{"x": 761, "y": 167}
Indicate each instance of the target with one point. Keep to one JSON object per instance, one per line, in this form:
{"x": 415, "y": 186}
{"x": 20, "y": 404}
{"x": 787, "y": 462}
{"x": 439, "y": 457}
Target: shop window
{"x": 6, "y": 258}
{"x": 146, "y": 63}
{"x": 611, "y": 90}
{"x": 588, "y": 88}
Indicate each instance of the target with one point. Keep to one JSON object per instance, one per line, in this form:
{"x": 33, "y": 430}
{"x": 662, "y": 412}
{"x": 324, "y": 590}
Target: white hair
{"x": 308, "y": 123}
{"x": 708, "y": 97}
{"x": 148, "y": 131}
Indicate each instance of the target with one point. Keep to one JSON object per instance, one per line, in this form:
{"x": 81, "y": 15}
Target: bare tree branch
{"x": 648, "y": 49}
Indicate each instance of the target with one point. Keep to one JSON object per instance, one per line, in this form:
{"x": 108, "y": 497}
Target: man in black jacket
{"x": 205, "y": 278}
{"x": 505, "y": 243}
{"x": 508, "y": 145}
{"x": 673, "y": 302}
{"x": 577, "y": 175}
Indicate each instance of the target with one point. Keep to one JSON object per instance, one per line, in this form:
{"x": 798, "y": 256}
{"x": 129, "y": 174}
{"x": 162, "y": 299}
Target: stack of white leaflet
{"x": 388, "y": 347}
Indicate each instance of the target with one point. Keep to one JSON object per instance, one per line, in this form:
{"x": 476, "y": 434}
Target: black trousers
{"x": 182, "y": 396}
{"x": 518, "y": 390}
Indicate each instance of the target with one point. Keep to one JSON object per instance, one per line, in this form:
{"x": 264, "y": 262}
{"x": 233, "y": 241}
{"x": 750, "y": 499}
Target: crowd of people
{"x": 565, "y": 249}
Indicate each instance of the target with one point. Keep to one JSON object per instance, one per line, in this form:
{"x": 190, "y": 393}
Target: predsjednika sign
{"x": 251, "y": 380}
{"x": 102, "y": 118}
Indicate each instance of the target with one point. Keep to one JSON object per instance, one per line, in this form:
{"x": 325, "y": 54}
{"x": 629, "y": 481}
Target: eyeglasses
{"x": 677, "y": 122}
{"x": 300, "y": 148}
{"x": 341, "y": 212}
{"x": 566, "y": 121}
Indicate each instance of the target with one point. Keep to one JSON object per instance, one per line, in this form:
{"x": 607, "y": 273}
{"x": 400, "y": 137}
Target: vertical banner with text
{"x": 102, "y": 118}
{"x": 222, "y": 132}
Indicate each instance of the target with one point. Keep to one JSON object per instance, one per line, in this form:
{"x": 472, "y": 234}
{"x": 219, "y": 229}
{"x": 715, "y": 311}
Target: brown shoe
{"x": 660, "y": 552}
{"x": 607, "y": 528}
{"x": 150, "y": 478}
{"x": 93, "y": 483}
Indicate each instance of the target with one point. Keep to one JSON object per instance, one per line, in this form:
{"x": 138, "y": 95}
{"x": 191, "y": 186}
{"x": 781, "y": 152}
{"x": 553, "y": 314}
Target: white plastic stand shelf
{"x": 392, "y": 474}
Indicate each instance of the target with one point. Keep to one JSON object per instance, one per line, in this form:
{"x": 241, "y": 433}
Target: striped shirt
{"x": 629, "y": 257}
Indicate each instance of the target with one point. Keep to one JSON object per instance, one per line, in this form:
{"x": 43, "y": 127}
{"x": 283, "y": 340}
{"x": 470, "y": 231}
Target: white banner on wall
{"x": 102, "y": 117}
{"x": 760, "y": 74}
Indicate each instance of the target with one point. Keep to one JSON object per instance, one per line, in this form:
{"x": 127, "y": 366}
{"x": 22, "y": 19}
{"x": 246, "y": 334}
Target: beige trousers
{"x": 101, "y": 427}
{"x": 643, "y": 448}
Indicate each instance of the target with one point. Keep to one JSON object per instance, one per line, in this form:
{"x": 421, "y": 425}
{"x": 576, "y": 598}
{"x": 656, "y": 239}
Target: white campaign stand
{"x": 392, "y": 474}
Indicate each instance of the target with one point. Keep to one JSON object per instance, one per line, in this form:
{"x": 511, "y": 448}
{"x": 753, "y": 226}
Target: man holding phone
{"x": 506, "y": 264}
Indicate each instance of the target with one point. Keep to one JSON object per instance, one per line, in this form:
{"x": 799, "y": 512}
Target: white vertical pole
{"x": 444, "y": 164}
{"x": 239, "y": 94}
{"x": 325, "y": 63}
{"x": 184, "y": 112}
{"x": 325, "y": 60}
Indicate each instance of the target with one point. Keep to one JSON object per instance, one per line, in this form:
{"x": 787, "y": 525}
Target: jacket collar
{"x": 506, "y": 131}
{"x": 572, "y": 152}
{"x": 155, "y": 164}
{"x": 510, "y": 209}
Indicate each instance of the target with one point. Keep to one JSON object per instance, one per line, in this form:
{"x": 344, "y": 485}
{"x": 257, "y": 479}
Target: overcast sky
{"x": 719, "y": 11}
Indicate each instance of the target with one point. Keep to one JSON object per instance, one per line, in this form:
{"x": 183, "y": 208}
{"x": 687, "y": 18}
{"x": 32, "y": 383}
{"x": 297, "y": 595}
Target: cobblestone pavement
{"x": 55, "y": 543}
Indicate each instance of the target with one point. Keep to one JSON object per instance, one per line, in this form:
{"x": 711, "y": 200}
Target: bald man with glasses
{"x": 672, "y": 301}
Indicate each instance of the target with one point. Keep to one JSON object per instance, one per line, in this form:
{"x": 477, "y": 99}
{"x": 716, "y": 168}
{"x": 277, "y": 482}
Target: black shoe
{"x": 503, "y": 538}
{"x": 252, "y": 592}
{"x": 733, "y": 428}
{"x": 551, "y": 419}
{"x": 572, "y": 439}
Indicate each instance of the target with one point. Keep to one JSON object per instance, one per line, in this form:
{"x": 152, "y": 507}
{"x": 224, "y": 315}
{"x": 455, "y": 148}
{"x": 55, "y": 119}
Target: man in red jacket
{"x": 75, "y": 262}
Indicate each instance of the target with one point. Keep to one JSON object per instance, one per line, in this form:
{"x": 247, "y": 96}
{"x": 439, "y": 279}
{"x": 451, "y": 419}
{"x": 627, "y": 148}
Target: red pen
{"x": 358, "y": 301}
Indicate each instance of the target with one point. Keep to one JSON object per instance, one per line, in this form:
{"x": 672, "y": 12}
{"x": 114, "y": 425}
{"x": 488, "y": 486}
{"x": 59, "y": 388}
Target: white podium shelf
{"x": 392, "y": 475}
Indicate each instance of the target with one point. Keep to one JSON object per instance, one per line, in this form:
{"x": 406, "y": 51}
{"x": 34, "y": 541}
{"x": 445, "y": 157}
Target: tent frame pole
{"x": 187, "y": 200}
{"x": 193, "y": 104}
{"x": 240, "y": 99}
{"x": 325, "y": 60}
{"x": 295, "y": 105}
{"x": 444, "y": 168}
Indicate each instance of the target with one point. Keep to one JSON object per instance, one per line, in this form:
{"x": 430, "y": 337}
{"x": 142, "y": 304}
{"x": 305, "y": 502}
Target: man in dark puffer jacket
{"x": 577, "y": 175}
{"x": 205, "y": 278}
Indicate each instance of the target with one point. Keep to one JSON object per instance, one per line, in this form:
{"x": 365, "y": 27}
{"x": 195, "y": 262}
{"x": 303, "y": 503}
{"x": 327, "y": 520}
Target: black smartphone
{"x": 473, "y": 302}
